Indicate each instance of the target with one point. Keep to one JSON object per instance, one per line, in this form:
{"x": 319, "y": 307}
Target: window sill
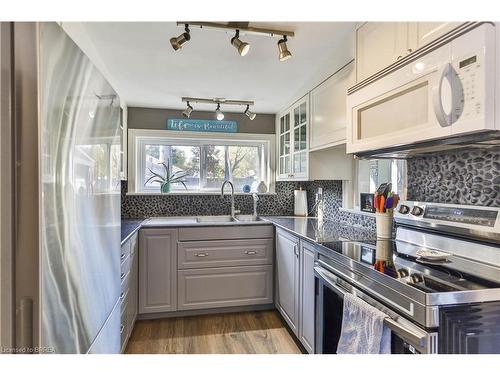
{"x": 194, "y": 193}
{"x": 357, "y": 211}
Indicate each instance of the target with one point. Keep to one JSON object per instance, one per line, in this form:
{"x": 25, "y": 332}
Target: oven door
{"x": 406, "y": 337}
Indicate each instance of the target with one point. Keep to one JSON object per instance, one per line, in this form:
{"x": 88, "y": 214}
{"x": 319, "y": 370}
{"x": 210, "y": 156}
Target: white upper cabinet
{"x": 422, "y": 33}
{"x": 379, "y": 44}
{"x": 292, "y": 128}
{"x": 328, "y": 109}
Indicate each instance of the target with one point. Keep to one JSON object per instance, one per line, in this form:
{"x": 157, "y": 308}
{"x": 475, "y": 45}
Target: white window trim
{"x": 136, "y": 137}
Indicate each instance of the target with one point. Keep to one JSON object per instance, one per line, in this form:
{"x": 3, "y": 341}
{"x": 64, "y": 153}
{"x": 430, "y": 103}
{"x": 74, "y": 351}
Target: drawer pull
{"x": 201, "y": 255}
{"x": 250, "y": 252}
{"x": 121, "y": 295}
{"x": 122, "y": 256}
{"x": 122, "y": 276}
{"x": 122, "y": 327}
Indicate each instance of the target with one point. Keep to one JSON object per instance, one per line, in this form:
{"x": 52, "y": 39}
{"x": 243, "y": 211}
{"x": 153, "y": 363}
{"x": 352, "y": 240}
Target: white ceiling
{"x": 139, "y": 62}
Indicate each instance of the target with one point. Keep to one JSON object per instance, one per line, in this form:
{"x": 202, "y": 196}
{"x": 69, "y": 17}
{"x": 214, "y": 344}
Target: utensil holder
{"x": 384, "y": 225}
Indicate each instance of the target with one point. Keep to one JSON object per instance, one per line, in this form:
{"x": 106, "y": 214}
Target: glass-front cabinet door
{"x": 293, "y": 146}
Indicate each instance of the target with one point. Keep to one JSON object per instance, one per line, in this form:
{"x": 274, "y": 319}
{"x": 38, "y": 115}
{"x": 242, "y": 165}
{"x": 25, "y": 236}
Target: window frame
{"x": 350, "y": 191}
{"x": 138, "y": 138}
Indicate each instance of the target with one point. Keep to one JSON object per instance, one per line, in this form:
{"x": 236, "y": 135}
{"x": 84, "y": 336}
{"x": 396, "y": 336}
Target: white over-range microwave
{"x": 442, "y": 94}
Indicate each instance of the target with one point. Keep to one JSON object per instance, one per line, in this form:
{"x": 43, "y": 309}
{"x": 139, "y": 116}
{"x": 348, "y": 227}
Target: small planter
{"x": 166, "y": 187}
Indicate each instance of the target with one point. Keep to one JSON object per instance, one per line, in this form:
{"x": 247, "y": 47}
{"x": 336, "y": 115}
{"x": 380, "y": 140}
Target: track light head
{"x": 218, "y": 113}
{"x": 187, "y": 112}
{"x": 177, "y": 42}
{"x": 285, "y": 54}
{"x": 242, "y": 47}
{"x": 251, "y": 115}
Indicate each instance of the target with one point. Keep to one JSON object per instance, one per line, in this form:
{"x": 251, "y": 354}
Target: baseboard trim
{"x": 221, "y": 310}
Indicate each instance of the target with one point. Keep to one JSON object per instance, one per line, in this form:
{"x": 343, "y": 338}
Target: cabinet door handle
{"x": 295, "y": 250}
{"x": 121, "y": 295}
{"x": 201, "y": 255}
{"x": 122, "y": 256}
{"x": 122, "y": 275}
{"x": 250, "y": 252}
{"x": 122, "y": 327}
{"x": 409, "y": 50}
{"x": 399, "y": 57}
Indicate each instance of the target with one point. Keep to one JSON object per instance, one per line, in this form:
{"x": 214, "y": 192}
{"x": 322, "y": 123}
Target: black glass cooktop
{"x": 404, "y": 265}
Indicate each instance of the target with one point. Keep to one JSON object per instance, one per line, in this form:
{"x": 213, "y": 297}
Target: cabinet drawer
{"x": 125, "y": 251}
{"x": 125, "y": 267}
{"x": 123, "y": 329}
{"x": 201, "y": 254}
{"x": 225, "y": 287}
{"x": 226, "y": 232}
{"x": 125, "y": 284}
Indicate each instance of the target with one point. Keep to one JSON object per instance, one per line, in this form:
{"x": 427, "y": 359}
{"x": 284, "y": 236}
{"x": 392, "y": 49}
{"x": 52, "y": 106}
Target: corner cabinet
{"x": 292, "y": 127}
{"x": 295, "y": 286}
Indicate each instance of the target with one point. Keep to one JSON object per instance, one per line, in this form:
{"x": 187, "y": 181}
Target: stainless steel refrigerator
{"x": 60, "y": 196}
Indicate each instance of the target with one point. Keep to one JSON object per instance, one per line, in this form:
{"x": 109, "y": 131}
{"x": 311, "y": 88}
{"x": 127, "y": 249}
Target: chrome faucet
{"x": 233, "y": 211}
{"x": 255, "y": 199}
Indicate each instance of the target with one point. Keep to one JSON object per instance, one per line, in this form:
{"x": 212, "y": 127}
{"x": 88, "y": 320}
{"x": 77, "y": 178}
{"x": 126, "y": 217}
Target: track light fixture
{"x": 242, "y": 47}
{"x": 177, "y": 42}
{"x": 251, "y": 115}
{"x": 187, "y": 112}
{"x": 218, "y": 113}
{"x": 285, "y": 54}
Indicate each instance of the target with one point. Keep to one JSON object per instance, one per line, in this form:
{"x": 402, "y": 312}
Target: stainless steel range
{"x": 438, "y": 282}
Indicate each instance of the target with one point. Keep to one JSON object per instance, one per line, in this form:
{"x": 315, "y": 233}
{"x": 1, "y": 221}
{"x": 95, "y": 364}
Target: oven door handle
{"x": 405, "y": 332}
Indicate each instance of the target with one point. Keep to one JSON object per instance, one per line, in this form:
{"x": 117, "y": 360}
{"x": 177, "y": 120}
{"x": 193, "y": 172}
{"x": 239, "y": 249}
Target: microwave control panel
{"x": 470, "y": 74}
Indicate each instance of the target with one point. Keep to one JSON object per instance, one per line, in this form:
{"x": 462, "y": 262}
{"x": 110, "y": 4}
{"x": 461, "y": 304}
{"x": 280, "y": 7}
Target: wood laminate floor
{"x": 261, "y": 332}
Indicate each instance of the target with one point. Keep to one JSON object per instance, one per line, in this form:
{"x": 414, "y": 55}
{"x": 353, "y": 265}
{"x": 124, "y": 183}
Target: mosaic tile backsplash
{"x": 460, "y": 177}
{"x": 279, "y": 204}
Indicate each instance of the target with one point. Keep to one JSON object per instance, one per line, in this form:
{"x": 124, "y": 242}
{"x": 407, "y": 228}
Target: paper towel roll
{"x": 300, "y": 206}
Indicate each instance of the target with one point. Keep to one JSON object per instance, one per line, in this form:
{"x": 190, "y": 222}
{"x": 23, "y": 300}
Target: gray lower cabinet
{"x": 129, "y": 288}
{"x": 287, "y": 278}
{"x": 307, "y": 293}
{"x": 157, "y": 270}
{"x": 225, "y": 287}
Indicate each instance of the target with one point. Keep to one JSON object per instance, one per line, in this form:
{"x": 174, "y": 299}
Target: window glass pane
{"x": 287, "y": 122}
{"x": 372, "y": 173}
{"x": 282, "y": 124}
{"x": 287, "y": 143}
{"x": 296, "y": 116}
{"x": 287, "y": 164}
{"x": 244, "y": 165}
{"x": 214, "y": 166}
{"x": 303, "y": 161}
{"x": 184, "y": 160}
{"x": 282, "y": 144}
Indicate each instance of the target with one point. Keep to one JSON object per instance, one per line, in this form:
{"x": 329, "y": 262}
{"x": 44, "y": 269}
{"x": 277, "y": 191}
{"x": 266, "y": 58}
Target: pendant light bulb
{"x": 251, "y": 115}
{"x": 284, "y": 53}
{"x": 242, "y": 47}
{"x": 218, "y": 113}
{"x": 177, "y": 42}
{"x": 187, "y": 112}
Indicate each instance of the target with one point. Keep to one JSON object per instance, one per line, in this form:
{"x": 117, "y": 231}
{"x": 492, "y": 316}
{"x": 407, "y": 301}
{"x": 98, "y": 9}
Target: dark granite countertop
{"x": 309, "y": 229}
{"x": 306, "y": 228}
{"x": 129, "y": 227}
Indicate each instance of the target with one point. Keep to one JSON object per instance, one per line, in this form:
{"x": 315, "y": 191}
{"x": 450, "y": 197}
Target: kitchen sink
{"x": 214, "y": 219}
{"x": 248, "y": 218}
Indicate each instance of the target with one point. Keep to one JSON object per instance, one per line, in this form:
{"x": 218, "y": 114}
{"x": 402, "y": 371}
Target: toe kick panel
{"x": 224, "y": 287}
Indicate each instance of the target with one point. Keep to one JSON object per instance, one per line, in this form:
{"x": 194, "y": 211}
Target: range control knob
{"x": 403, "y": 209}
{"x": 416, "y": 278}
{"x": 417, "y": 211}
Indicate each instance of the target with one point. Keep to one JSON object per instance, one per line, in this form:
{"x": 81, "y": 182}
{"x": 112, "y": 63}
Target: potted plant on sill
{"x": 168, "y": 179}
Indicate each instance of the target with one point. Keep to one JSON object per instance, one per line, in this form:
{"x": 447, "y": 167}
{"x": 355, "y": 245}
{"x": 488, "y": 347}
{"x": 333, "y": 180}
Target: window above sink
{"x": 204, "y": 160}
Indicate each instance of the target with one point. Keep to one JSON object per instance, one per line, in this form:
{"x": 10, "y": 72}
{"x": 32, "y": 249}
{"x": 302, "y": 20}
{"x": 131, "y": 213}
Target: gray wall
{"x": 155, "y": 118}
